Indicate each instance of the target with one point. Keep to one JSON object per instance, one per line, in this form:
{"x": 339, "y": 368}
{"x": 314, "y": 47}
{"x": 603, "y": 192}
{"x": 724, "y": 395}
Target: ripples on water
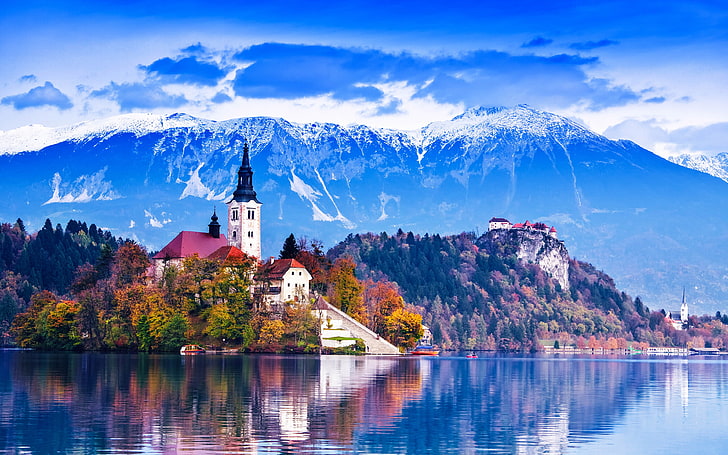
{"x": 154, "y": 404}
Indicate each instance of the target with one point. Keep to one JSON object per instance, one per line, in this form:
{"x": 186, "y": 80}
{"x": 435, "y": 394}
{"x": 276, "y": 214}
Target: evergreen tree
{"x": 290, "y": 248}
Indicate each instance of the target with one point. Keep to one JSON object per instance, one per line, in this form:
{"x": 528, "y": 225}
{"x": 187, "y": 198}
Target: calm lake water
{"x": 167, "y": 404}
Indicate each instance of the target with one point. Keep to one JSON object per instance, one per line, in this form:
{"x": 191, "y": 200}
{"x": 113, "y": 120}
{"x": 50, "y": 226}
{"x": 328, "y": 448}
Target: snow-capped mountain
{"x": 653, "y": 225}
{"x": 717, "y": 165}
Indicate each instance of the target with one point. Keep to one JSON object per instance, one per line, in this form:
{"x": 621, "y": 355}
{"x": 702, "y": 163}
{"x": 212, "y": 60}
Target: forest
{"x": 473, "y": 296}
{"x": 79, "y": 288}
{"x": 110, "y": 301}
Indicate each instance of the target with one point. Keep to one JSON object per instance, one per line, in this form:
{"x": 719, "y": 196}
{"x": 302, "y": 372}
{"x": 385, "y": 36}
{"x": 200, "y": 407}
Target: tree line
{"x": 473, "y": 296}
{"x": 113, "y": 300}
{"x": 81, "y": 288}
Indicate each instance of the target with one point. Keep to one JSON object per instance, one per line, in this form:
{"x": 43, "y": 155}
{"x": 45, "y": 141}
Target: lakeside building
{"x": 244, "y": 229}
{"x": 284, "y": 279}
{"x": 278, "y": 281}
{"x": 287, "y": 280}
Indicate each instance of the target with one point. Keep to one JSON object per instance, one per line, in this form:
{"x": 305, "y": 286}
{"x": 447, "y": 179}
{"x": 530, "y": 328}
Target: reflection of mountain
{"x": 61, "y": 403}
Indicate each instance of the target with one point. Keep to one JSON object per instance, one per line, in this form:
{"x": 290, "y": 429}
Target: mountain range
{"x": 653, "y": 225}
{"x": 715, "y": 165}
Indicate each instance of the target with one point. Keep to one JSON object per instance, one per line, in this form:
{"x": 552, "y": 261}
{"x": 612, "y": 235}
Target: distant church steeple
{"x": 244, "y": 211}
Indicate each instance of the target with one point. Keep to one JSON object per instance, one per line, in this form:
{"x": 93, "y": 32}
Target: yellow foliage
{"x": 271, "y": 331}
{"x": 404, "y": 328}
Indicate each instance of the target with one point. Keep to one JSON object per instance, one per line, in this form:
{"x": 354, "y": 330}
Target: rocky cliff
{"x": 530, "y": 246}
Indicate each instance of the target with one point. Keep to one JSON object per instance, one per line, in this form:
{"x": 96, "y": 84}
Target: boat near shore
{"x": 191, "y": 349}
{"x": 425, "y": 350}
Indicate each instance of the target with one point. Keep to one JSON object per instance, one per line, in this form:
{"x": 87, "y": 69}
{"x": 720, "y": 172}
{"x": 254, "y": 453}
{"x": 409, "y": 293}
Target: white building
{"x": 679, "y": 319}
{"x": 499, "y": 223}
{"x": 287, "y": 280}
{"x": 502, "y": 223}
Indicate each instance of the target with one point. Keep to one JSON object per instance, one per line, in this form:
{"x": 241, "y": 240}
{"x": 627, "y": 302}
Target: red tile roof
{"x": 281, "y": 266}
{"x": 187, "y": 243}
{"x": 226, "y": 253}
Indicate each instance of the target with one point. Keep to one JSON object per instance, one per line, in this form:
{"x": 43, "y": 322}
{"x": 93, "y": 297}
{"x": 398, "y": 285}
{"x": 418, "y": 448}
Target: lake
{"x": 258, "y": 404}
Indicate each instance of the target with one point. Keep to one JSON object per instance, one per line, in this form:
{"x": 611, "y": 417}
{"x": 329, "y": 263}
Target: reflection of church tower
{"x": 244, "y": 211}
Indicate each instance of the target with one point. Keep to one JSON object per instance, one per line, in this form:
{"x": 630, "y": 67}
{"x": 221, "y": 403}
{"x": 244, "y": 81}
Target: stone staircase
{"x": 375, "y": 344}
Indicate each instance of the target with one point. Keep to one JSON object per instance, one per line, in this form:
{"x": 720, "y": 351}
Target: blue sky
{"x": 653, "y": 72}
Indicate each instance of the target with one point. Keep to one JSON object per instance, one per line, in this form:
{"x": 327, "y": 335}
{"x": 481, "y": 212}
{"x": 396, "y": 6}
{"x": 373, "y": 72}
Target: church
{"x": 243, "y": 232}
{"x": 679, "y": 319}
{"x": 290, "y": 279}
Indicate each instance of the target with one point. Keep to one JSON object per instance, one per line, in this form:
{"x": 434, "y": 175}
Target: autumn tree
{"x": 271, "y": 331}
{"x": 230, "y": 315}
{"x": 381, "y": 299}
{"x": 26, "y": 327}
{"x": 311, "y": 256}
{"x": 130, "y": 264}
{"x": 196, "y": 283}
{"x": 403, "y": 328}
{"x": 301, "y": 327}
{"x": 345, "y": 290}
{"x": 49, "y": 323}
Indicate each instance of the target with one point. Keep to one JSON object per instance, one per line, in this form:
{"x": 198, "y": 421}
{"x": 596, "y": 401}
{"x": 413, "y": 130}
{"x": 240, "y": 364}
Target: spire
{"x": 245, "y": 192}
{"x": 684, "y": 309}
{"x": 214, "y": 226}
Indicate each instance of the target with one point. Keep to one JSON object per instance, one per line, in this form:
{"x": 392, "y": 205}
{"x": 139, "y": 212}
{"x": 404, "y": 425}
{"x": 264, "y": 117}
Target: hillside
{"x": 46, "y": 260}
{"x": 616, "y": 204}
{"x": 475, "y": 293}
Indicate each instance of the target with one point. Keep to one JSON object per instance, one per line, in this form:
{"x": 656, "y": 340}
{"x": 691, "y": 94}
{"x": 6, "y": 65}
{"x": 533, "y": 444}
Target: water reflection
{"x": 96, "y": 403}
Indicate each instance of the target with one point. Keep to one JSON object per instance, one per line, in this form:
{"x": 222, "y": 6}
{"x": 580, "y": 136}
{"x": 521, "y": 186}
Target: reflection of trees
{"x": 154, "y": 404}
{"x": 506, "y": 404}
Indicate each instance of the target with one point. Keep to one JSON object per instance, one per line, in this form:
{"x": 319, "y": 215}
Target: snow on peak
{"x": 36, "y": 137}
{"x": 717, "y": 165}
{"x": 488, "y": 121}
{"x": 521, "y": 117}
{"x": 473, "y": 125}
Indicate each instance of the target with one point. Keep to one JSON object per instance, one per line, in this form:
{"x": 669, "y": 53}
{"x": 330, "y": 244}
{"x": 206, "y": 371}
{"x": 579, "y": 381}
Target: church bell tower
{"x": 684, "y": 310}
{"x": 244, "y": 211}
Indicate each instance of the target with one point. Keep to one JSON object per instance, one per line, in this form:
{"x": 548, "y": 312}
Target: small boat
{"x": 472, "y": 355}
{"x": 425, "y": 350}
{"x": 191, "y": 349}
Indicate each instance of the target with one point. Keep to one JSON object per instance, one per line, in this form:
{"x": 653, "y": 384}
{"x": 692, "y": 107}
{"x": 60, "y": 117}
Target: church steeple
{"x": 245, "y": 192}
{"x": 214, "y": 226}
{"x": 244, "y": 211}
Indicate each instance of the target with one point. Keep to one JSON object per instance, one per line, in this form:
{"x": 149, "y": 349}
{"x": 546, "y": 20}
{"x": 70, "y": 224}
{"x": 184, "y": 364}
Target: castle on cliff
{"x": 502, "y": 223}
